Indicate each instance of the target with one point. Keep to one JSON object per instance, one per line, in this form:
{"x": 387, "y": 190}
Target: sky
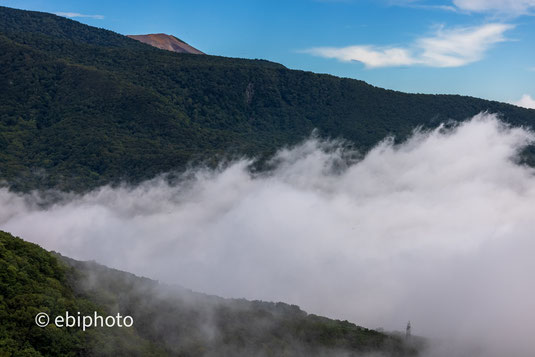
{"x": 481, "y": 48}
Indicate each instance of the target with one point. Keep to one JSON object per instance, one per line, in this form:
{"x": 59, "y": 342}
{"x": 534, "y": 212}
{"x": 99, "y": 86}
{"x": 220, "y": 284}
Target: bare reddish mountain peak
{"x": 166, "y": 42}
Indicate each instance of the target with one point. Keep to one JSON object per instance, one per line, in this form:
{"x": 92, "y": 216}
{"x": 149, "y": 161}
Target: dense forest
{"x": 82, "y": 106}
{"x": 168, "y": 320}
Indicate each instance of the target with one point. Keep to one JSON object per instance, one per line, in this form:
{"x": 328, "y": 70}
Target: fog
{"x": 439, "y": 230}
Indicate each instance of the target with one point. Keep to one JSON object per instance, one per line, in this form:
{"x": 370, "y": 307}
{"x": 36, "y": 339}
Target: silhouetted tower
{"x": 408, "y": 331}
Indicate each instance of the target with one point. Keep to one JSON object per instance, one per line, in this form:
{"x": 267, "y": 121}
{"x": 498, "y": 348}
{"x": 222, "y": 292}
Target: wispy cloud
{"x": 526, "y": 101}
{"x": 460, "y": 46}
{"x": 76, "y": 14}
{"x": 446, "y": 48}
{"x": 419, "y": 4}
{"x": 510, "y": 7}
{"x": 371, "y": 56}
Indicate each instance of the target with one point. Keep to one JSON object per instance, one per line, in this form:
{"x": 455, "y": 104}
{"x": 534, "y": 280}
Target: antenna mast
{"x": 408, "y": 331}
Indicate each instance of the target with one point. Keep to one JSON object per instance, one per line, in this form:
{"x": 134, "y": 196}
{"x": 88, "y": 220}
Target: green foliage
{"x": 82, "y": 107}
{"x": 167, "y": 320}
{"x": 31, "y": 281}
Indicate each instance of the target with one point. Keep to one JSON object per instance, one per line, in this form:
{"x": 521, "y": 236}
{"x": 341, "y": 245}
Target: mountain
{"x": 82, "y": 107}
{"x": 167, "y": 320}
{"x": 166, "y": 42}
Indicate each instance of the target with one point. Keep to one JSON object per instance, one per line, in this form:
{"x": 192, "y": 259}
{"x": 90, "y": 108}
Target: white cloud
{"x": 438, "y": 230}
{"x": 460, "y": 46}
{"x": 512, "y": 7}
{"x": 75, "y": 14}
{"x": 369, "y": 55}
{"x": 420, "y": 4}
{"x": 503, "y": 7}
{"x": 447, "y": 48}
{"x": 526, "y": 101}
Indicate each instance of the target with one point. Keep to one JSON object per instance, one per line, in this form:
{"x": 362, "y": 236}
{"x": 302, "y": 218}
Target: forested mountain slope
{"x": 168, "y": 321}
{"x": 82, "y": 107}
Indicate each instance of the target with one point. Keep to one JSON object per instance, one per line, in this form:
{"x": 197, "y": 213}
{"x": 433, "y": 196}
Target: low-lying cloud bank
{"x": 438, "y": 230}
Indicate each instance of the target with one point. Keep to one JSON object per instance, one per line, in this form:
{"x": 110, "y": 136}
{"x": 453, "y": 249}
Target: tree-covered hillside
{"x": 81, "y": 106}
{"x": 33, "y": 280}
{"x": 168, "y": 321}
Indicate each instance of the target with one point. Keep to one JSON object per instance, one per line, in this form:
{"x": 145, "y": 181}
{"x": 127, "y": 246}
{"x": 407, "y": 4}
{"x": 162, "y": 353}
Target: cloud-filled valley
{"x": 437, "y": 230}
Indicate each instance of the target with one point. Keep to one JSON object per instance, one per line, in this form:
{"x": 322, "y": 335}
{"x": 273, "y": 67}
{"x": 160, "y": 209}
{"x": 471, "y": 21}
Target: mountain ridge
{"x": 84, "y": 107}
{"x": 166, "y": 42}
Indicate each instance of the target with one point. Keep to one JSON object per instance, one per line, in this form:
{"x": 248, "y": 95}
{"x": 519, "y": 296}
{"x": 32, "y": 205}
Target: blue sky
{"x": 482, "y": 48}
